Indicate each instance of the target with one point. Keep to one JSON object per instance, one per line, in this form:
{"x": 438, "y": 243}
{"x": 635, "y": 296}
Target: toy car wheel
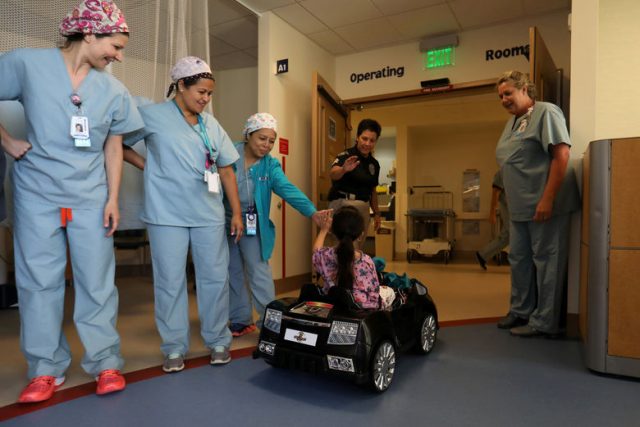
{"x": 383, "y": 366}
{"x": 428, "y": 334}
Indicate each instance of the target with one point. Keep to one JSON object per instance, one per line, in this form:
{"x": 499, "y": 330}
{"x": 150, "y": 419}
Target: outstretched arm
{"x": 325, "y": 225}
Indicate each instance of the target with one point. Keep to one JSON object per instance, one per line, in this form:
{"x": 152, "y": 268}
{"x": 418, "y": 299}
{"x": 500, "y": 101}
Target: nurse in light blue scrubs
{"x": 65, "y": 185}
{"x": 189, "y": 166}
{"x": 258, "y": 176}
{"x": 533, "y": 154}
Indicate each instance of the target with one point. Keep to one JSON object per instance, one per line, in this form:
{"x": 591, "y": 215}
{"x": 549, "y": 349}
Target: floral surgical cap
{"x": 259, "y": 121}
{"x": 94, "y": 17}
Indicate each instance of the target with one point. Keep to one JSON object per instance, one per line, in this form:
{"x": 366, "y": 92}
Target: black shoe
{"x": 481, "y": 261}
{"x": 511, "y": 321}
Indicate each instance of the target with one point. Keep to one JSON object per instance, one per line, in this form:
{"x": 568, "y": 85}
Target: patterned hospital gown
{"x": 366, "y": 286}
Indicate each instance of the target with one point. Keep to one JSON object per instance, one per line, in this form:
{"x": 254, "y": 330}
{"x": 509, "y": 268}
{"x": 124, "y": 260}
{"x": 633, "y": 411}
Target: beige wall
{"x": 288, "y": 98}
{"x": 470, "y": 57}
{"x": 604, "y": 100}
{"x": 235, "y": 98}
{"x": 436, "y": 141}
{"x": 604, "y": 96}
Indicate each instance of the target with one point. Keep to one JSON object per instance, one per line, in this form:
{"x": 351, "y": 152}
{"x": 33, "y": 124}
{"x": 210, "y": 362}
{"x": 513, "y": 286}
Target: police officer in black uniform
{"x": 355, "y": 172}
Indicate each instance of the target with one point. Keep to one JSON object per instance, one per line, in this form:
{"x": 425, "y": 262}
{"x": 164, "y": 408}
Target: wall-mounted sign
{"x": 282, "y": 66}
{"x": 442, "y": 57}
{"x": 382, "y": 73}
{"x": 491, "y": 54}
{"x": 332, "y": 129}
{"x": 284, "y": 146}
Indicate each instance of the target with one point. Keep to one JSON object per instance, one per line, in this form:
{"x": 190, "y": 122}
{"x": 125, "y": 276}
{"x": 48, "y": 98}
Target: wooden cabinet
{"x": 610, "y": 257}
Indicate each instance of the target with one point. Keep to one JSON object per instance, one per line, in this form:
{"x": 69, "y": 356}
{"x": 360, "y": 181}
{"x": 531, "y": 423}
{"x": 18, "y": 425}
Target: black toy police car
{"x": 332, "y": 334}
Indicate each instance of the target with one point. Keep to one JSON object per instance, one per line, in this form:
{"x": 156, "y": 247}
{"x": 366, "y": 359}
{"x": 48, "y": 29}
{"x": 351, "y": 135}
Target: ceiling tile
{"x": 534, "y": 7}
{"x": 474, "y": 13}
{"x": 392, "y": 7}
{"x": 264, "y": 5}
{"x": 336, "y": 13}
{"x": 300, "y": 19}
{"x": 236, "y": 59}
{"x": 252, "y": 51}
{"x": 370, "y": 34}
{"x": 331, "y": 42}
{"x": 425, "y": 22}
{"x": 219, "y": 47}
{"x": 241, "y": 33}
{"x": 225, "y": 10}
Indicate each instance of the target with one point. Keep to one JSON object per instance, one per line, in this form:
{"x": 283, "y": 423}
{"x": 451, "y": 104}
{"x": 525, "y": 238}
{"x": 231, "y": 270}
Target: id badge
{"x": 79, "y": 131}
{"x": 213, "y": 181}
{"x": 252, "y": 224}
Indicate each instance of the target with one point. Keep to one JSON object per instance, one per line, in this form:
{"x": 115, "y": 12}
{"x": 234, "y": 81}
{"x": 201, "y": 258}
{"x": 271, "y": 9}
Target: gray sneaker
{"x": 220, "y": 355}
{"x": 173, "y": 363}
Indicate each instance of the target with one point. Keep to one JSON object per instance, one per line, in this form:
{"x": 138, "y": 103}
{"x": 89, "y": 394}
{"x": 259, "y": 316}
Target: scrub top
{"x": 55, "y": 171}
{"x": 523, "y": 154}
{"x": 256, "y": 186}
{"x": 175, "y": 193}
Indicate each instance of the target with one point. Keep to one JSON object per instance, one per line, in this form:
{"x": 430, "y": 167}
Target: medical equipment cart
{"x": 430, "y": 229}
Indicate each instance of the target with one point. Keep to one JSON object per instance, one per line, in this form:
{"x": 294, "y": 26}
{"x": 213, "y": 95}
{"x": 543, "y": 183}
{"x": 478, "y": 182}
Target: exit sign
{"x": 442, "y": 57}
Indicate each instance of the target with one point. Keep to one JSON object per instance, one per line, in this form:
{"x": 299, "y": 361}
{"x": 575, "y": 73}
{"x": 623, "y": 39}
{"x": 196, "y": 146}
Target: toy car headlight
{"x": 343, "y": 333}
{"x": 272, "y": 320}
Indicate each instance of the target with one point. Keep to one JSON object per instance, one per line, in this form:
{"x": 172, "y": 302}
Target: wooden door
{"x": 543, "y": 71}
{"x": 330, "y": 130}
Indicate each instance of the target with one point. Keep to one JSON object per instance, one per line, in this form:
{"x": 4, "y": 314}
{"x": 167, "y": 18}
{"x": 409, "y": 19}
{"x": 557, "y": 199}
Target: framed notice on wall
{"x": 332, "y": 129}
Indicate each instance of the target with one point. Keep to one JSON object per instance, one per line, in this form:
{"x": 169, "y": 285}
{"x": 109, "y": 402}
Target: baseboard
{"x": 288, "y": 284}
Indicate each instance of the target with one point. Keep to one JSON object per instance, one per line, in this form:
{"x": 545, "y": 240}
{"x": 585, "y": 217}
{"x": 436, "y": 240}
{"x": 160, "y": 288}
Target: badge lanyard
{"x": 251, "y": 215}
{"x": 211, "y": 176}
{"x": 79, "y": 126}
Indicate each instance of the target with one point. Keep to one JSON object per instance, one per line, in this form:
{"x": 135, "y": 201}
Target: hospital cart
{"x": 430, "y": 229}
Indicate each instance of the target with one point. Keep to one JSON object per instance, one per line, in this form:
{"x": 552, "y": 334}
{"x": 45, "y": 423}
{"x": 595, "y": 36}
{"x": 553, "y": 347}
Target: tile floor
{"x": 461, "y": 290}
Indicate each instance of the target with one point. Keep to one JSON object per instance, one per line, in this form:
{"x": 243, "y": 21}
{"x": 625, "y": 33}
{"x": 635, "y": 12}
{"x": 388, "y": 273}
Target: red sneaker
{"x": 109, "y": 381}
{"x": 244, "y": 331}
{"x": 40, "y": 389}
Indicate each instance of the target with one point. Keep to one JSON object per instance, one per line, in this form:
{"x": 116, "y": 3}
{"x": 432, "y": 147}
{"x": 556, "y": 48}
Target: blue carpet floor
{"x": 476, "y": 376}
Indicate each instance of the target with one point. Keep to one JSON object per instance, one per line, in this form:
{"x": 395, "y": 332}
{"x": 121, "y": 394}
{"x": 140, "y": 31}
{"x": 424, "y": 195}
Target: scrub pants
{"x": 538, "y": 257}
{"x": 246, "y": 258}
{"x": 40, "y": 245}
{"x": 169, "y": 247}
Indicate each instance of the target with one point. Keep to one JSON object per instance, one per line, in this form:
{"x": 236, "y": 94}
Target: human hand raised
{"x": 351, "y": 163}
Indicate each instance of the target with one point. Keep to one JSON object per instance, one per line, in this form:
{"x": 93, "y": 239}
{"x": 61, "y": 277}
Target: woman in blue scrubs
{"x": 258, "y": 175}
{"x": 533, "y": 154}
{"x": 189, "y": 166}
{"x": 65, "y": 186}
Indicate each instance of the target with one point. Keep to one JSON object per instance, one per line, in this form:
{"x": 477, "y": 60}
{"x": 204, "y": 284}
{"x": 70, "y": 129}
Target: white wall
{"x": 470, "y": 63}
{"x": 235, "y": 98}
{"x": 604, "y": 93}
{"x": 288, "y": 98}
{"x": 604, "y": 100}
{"x": 386, "y": 156}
